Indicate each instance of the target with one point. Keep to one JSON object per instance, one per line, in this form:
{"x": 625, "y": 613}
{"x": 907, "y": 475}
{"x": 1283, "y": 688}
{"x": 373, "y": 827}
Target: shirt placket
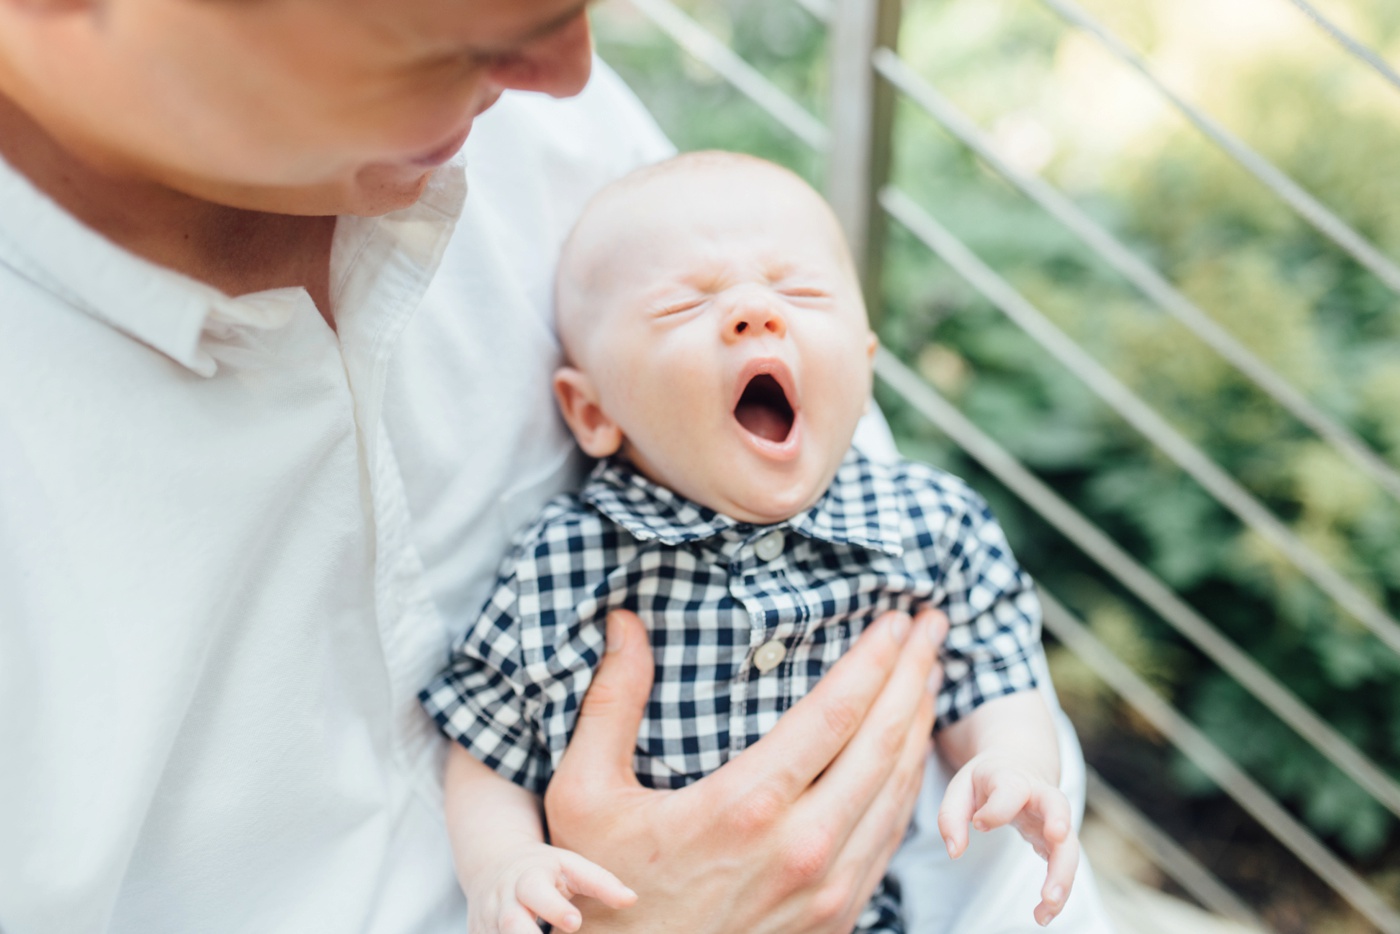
{"x": 762, "y": 687}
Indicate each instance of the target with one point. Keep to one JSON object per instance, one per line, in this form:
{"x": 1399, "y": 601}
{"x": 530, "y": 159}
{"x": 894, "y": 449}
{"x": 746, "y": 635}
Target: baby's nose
{"x": 754, "y": 319}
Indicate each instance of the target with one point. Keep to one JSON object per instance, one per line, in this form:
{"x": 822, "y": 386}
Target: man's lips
{"x": 765, "y": 410}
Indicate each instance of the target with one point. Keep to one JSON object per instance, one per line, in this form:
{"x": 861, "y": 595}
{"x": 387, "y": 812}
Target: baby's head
{"x": 715, "y": 333}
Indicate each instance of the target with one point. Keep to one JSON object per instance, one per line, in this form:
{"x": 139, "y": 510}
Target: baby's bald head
{"x": 631, "y": 217}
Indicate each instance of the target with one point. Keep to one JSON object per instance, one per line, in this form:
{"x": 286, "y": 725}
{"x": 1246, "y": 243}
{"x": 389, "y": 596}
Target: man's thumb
{"x": 606, "y": 733}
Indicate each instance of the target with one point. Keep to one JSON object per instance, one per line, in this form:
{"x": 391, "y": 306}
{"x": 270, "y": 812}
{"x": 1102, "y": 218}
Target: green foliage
{"x": 1261, "y": 272}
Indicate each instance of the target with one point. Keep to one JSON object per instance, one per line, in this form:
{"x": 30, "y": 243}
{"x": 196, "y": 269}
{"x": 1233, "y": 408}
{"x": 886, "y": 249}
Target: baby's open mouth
{"x": 764, "y": 409}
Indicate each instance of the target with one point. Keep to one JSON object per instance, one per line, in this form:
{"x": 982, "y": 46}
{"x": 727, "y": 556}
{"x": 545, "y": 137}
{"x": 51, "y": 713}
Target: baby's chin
{"x": 769, "y": 494}
{"x": 766, "y": 506}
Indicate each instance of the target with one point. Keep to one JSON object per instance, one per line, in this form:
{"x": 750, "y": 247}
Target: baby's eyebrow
{"x": 780, "y": 268}
{"x": 708, "y": 277}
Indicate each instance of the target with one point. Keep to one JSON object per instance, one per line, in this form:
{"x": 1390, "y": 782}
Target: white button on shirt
{"x": 214, "y": 614}
{"x": 768, "y": 656}
{"x": 770, "y": 546}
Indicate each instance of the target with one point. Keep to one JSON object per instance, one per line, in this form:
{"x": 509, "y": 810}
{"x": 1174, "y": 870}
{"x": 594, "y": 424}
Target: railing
{"x": 866, "y": 73}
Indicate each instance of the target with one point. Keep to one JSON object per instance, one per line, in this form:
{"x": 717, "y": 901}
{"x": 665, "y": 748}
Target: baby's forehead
{"x": 704, "y": 205}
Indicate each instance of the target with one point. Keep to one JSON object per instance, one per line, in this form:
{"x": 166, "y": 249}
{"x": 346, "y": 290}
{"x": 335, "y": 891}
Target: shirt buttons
{"x": 770, "y": 546}
{"x": 769, "y": 656}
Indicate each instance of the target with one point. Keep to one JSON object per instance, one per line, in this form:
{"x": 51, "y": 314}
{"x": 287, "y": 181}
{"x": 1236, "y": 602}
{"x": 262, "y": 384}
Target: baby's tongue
{"x": 763, "y": 420}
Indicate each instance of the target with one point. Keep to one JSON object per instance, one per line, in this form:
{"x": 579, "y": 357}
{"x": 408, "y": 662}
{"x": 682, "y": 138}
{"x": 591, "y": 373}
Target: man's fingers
{"x": 807, "y": 738}
{"x": 863, "y": 767}
{"x": 883, "y": 827}
{"x": 588, "y": 878}
{"x": 611, "y": 714}
{"x": 538, "y": 890}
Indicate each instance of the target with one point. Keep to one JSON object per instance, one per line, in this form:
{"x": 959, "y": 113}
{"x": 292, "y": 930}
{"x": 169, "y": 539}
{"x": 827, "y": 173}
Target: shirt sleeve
{"x": 993, "y": 612}
{"x": 483, "y": 698}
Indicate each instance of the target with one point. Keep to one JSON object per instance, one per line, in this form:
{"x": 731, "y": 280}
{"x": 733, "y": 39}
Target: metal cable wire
{"x": 1197, "y": 747}
{"x": 1166, "y": 854}
{"x": 1226, "y": 490}
{"x": 1142, "y": 275}
{"x": 819, "y": 10}
{"x": 1367, "y": 55}
{"x": 700, "y": 43}
{"x": 1139, "y": 581}
{"x": 1312, "y": 210}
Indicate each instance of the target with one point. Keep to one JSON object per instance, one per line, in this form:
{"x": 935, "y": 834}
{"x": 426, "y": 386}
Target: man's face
{"x": 291, "y": 106}
{"x": 727, "y": 339}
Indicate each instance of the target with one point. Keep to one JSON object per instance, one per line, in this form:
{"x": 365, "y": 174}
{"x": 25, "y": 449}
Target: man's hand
{"x": 791, "y": 835}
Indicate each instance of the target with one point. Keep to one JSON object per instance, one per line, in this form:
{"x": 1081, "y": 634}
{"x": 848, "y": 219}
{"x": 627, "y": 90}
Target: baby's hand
{"x": 536, "y": 881}
{"x": 993, "y": 790}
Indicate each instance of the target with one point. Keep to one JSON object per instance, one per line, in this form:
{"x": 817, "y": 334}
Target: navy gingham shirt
{"x": 743, "y": 619}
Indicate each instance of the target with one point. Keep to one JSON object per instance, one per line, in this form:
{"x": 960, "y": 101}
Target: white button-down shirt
{"x": 214, "y": 614}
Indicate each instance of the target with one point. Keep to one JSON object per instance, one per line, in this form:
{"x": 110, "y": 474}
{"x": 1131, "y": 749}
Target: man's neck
{"x": 234, "y": 250}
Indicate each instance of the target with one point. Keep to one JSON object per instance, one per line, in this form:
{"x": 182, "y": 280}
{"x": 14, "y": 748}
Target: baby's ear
{"x": 596, "y": 433}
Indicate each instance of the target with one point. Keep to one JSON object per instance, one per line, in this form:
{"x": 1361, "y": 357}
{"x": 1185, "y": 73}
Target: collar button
{"x": 770, "y": 546}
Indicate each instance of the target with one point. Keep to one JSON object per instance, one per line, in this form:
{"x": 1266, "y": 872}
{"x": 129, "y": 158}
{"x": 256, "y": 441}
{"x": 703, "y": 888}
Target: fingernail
{"x": 935, "y": 633}
{"x": 573, "y": 920}
{"x": 899, "y": 627}
{"x": 617, "y": 633}
{"x": 949, "y": 845}
{"x": 935, "y": 680}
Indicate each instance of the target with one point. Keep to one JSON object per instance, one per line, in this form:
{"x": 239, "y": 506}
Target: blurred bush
{"x": 1058, "y": 106}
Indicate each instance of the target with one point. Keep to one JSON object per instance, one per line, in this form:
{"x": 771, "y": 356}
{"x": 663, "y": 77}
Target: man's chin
{"x": 381, "y": 190}
{"x": 371, "y": 192}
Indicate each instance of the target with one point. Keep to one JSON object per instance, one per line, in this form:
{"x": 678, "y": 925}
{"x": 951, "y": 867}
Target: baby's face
{"x": 723, "y": 337}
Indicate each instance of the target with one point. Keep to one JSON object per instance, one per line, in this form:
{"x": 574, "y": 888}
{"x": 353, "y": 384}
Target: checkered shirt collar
{"x": 860, "y": 508}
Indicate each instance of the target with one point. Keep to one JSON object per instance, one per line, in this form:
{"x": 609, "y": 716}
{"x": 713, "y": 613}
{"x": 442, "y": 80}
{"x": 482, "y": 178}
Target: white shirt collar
{"x": 170, "y": 312}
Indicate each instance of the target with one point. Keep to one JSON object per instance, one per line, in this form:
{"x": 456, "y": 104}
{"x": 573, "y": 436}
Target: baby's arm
{"x": 510, "y": 875}
{"x": 1007, "y": 761}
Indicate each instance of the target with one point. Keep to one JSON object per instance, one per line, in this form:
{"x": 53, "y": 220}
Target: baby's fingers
{"x": 538, "y": 890}
{"x": 514, "y": 920}
{"x": 1005, "y": 801}
{"x": 588, "y": 878}
{"x": 1053, "y": 807}
{"x": 1064, "y": 860}
{"x": 955, "y": 812}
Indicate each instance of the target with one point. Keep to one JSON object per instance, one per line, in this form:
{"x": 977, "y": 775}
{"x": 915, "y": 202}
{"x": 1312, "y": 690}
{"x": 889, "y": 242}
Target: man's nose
{"x": 557, "y": 64}
{"x": 755, "y": 318}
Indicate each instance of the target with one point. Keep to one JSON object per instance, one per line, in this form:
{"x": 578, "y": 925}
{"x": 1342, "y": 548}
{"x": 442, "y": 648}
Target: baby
{"x": 719, "y": 360}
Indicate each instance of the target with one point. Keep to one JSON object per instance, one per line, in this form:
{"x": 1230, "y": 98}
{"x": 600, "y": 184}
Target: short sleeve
{"x": 482, "y": 698}
{"x": 993, "y": 612}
